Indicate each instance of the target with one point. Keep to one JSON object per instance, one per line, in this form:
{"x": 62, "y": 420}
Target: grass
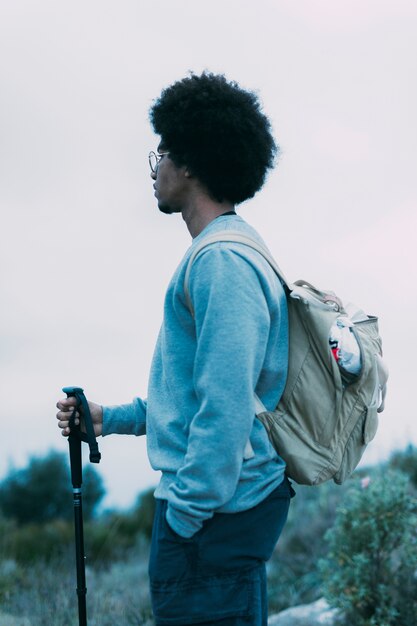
{"x": 45, "y": 593}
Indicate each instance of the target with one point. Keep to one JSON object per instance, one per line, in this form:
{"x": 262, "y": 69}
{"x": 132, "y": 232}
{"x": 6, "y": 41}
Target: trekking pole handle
{"x": 89, "y": 437}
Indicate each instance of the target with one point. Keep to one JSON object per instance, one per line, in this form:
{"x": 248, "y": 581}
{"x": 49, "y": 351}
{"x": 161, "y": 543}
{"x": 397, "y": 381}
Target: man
{"x": 223, "y": 497}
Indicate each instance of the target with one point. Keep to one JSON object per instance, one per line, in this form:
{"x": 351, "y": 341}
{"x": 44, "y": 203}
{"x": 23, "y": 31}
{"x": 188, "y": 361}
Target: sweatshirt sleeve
{"x": 125, "y": 419}
{"x": 232, "y": 327}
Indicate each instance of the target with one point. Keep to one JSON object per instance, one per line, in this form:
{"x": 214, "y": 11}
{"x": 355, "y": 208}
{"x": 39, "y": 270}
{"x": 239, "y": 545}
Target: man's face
{"x": 170, "y": 184}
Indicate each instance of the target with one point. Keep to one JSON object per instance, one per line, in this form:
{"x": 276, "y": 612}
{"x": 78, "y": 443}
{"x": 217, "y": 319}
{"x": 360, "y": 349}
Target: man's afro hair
{"x": 216, "y": 129}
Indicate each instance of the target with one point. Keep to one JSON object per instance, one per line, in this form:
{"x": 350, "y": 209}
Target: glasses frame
{"x": 154, "y": 159}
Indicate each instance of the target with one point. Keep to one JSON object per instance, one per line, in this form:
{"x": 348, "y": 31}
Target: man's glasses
{"x": 154, "y": 160}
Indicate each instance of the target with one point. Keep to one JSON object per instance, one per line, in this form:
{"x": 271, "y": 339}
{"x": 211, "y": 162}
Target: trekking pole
{"x": 75, "y": 438}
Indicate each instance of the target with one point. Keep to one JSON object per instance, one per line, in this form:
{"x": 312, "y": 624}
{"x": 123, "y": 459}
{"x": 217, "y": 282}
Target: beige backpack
{"x": 326, "y": 416}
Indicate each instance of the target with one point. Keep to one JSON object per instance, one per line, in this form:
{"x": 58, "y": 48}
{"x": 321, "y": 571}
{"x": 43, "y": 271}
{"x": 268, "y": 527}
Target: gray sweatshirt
{"x": 199, "y": 416}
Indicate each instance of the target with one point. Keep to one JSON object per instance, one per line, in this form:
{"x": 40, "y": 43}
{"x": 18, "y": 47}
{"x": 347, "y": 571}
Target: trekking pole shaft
{"x": 75, "y": 461}
{"x": 80, "y": 557}
{"x": 75, "y": 438}
{"x": 76, "y": 478}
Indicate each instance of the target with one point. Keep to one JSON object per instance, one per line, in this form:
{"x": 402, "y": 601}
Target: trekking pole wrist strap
{"x": 89, "y": 437}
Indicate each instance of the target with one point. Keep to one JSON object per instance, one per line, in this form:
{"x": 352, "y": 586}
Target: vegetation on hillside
{"x": 370, "y": 569}
{"x": 355, "y": 543}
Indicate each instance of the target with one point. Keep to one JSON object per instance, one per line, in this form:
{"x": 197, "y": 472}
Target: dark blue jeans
{"x": 218, "y": 576}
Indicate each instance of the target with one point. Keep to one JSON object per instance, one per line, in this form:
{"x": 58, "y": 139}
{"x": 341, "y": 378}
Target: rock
{"x": 318, "y": 613}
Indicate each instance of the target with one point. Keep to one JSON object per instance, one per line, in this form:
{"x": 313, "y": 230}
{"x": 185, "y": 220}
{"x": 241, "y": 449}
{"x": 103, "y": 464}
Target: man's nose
{"x": 153, "y": 175}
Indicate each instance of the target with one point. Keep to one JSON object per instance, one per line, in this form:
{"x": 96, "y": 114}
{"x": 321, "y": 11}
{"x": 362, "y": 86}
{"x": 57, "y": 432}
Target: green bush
{"x": 104, "y": 542}
{"x": 41, "y": 491}
{"x": 370, "y": 570}
{"x": 108, "y": 538}
{"x": 115, "y": 533}
{"x": 405, "y": 461}
{"x": 143, "y": 513}
{"x": 293, "y": 576}
{"x": 30, "y": 542}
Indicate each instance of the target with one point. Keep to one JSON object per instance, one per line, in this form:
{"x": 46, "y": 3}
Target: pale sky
{"x": 86, "y": 256}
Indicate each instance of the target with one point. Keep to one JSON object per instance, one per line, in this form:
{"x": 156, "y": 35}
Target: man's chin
{"x": 168, "y": 210}
{"x": 165, "y": 209}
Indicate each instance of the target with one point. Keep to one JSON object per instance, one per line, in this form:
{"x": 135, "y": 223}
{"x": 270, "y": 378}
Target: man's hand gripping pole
{"x": 75, "y": 429}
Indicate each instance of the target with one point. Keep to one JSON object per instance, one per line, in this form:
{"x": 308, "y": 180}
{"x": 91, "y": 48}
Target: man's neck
{"x": 199, "y": 215}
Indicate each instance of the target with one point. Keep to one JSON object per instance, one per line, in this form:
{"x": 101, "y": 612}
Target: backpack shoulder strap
{"x": 235, "y": 237}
